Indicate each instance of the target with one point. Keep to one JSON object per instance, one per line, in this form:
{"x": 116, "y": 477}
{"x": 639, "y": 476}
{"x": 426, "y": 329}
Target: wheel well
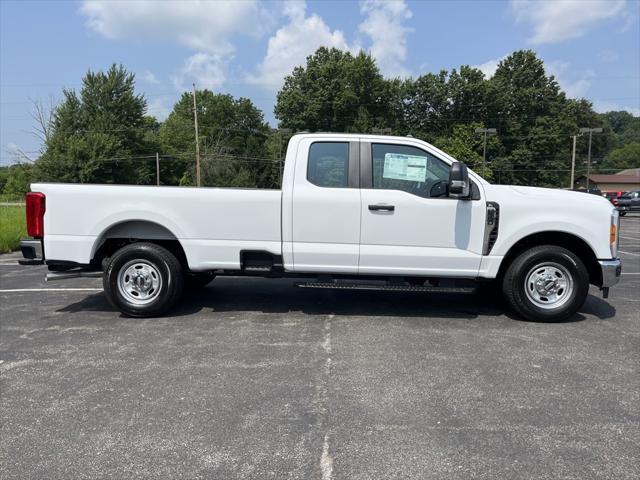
{"x": 124, "y": 233}
{"x": 566, "y": 240}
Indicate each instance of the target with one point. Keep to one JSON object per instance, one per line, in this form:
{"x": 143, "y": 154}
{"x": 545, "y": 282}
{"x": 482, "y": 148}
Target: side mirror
{"x": 459, "y": 180}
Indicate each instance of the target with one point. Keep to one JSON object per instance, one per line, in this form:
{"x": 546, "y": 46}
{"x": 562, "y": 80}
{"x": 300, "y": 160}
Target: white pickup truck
{"x": 354, "y": 212}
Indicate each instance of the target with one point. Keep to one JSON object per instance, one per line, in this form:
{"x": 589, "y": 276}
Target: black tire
{"x": 515, "y": 283}
{"x": 164, "y": 268}
{"x": 198, "y": 280}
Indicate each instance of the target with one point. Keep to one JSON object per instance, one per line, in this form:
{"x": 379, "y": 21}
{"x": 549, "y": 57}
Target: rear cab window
{"x": 328, "y": 164}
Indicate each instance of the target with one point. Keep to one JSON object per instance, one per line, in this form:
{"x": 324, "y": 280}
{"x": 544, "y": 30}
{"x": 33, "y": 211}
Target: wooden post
{"x": 195, "y": 119}
{"x": 573, "y": 162}
{"x": 157, "y": 169}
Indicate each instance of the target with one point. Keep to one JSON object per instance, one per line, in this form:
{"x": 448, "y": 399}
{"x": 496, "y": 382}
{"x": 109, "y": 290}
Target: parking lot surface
{"x": 253, "y": 378}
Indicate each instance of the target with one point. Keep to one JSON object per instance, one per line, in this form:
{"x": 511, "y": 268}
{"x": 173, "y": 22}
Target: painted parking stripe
{"x": 629, "y": 253}
{"x": 17, "y": 290}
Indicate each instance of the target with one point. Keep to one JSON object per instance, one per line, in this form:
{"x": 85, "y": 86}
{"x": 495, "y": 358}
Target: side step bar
{"x": 387, "y": 288}
{"x": 72, "y": 274}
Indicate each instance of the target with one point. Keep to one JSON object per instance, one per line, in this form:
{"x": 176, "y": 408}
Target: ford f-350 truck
{"x": 354, "y": 212}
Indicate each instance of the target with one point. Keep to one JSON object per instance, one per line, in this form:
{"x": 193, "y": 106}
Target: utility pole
{"x": 485, "y": 131}
{"x": 590, "y": 131}
{"x": 573, "y": 161}
{"x": 157, "y": 169}
{"x": 195, "y": 120}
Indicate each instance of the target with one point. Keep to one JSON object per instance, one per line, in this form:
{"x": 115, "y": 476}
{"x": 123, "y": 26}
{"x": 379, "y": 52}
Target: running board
{"x": 71, "y": 274}
{"x": 387, "y": 288}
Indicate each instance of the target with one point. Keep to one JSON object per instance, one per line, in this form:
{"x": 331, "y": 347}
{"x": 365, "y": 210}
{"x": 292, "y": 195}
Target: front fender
{"x": 507, "y": 240}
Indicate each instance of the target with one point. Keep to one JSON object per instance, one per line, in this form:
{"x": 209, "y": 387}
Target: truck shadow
{"x": 282, "y": 297}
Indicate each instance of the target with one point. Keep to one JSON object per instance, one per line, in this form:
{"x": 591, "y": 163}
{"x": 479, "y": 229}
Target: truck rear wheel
{"x": 143, "y": 280}
{"x": 546, "y": 283}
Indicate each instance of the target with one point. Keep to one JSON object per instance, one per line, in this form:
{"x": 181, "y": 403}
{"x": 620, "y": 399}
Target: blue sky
{"x": 246, "y": 47}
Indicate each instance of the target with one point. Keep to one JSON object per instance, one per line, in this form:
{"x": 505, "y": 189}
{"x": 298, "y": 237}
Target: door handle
{"x": 382, "y": 207}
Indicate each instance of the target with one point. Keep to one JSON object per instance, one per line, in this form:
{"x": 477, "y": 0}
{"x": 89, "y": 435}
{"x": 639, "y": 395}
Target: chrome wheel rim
{"x": 139, "y": 282}
{"x": 549, "y": 285}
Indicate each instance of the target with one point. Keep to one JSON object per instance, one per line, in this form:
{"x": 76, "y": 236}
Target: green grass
{"x": 5, "y": 198}
{"x": 13, "y": 227}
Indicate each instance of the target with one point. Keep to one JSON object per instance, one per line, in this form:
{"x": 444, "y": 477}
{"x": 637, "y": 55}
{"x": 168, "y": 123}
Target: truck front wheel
{"x": 143, "y": 280}
{"x": 546, "y": 283}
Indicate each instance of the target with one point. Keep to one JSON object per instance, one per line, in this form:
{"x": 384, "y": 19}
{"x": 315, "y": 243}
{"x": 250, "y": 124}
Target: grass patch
{"x": 13, "y": 227}
{"x": 4, "y": 198}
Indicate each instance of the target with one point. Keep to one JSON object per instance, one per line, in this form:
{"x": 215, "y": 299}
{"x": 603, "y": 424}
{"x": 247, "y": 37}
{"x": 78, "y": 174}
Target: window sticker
{"x": 411, "y": 168}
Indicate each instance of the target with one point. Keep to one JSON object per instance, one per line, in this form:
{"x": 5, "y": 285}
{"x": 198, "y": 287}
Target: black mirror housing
{"x": 459, "y": 180}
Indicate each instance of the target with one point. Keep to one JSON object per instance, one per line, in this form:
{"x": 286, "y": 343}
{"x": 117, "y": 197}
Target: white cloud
{"x": 302, "y": 35}
{"x": 207, "y": 27}
{"x": 384, "y": 24}
{"x": 574, "y": 84}
{"x": 149, "y": 77}
{"x": 292, "y": 43}
{"x": 558, "y": 20}
{"x": 490, "y": 66}
{"x": 202, "y": 25}
{"x": 204, "y": 69}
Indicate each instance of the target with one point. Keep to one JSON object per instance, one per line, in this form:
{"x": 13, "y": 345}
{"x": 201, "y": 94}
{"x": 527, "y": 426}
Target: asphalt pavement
{"x": 253, "y": 378}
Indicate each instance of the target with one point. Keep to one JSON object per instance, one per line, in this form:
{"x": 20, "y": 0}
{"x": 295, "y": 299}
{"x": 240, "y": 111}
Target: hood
{"x": 552, "y": 194}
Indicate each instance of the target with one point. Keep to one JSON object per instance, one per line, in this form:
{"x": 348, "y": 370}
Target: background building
{"x": 619, "y": 182}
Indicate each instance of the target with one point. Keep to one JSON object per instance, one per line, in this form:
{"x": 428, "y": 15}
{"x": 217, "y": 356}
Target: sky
{"x": 246, "y": 47}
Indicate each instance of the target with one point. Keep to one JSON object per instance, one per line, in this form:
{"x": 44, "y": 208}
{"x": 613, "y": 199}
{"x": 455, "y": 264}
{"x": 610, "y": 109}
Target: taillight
{"x": 35, "y": 214}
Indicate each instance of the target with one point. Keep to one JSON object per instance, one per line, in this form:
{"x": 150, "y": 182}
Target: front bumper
{"x": 611, "y": 271}
{"x": 31, "y": 251}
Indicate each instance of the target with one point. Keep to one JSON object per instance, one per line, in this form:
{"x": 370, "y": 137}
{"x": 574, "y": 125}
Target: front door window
{"x": 409, "y": 169}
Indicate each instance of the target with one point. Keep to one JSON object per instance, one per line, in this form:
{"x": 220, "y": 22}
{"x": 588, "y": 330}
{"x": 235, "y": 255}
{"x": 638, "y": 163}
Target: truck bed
{"x": 213, "y": 224}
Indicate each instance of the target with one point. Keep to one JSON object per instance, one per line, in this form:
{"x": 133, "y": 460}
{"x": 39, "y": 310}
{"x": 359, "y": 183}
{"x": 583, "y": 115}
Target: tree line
{"x": 103, "y": 134}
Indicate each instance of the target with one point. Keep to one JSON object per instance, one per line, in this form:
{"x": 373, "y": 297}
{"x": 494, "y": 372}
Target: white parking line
{"x": 629, "y": 253}
{"x": 16, "y": 290}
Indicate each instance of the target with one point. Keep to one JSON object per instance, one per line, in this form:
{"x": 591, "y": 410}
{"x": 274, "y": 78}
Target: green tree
{"x": 232, "y": 135}
{"x": 625, "y": 127}
{"x": 622, "y": 158}
{"x": 467, "y": 146}
{"x": 434, "y": 103}
{"x": 426, "y": 105}
{"x": 534, "y": 121}
{"x": 337, "y": 92}
{"x": 15, "y": 179}
{"x": 95, "y": 133}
